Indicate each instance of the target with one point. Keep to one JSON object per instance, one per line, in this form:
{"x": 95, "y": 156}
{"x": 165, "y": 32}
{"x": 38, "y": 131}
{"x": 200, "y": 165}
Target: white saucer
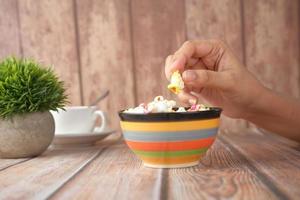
{"x": 82, "y": 139}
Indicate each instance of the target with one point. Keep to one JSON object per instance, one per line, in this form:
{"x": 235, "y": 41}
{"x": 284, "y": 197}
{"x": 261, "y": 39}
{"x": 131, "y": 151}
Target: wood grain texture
{"x": 222, "y": 174}
{"x": 9, "y": 29}
{"x": 115, "y": 174}
{"x": 276, "y": 159}
{"x": 272, "y": 43}
{"x": 236, "y": 167}
{"x": 48, "y": 35}
{"x": 42, "y": 176}
{"x": 158, "y": 30}
{"x": 105, "y": 51}
{"x": 5, "y": 163}
{"x": 216, "y": 19}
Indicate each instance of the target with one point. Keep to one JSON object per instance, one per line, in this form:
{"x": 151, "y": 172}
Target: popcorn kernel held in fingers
{"x": 176, "y": 84}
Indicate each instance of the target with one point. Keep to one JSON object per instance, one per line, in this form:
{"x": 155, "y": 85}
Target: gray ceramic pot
{"x": 26, "y": 135}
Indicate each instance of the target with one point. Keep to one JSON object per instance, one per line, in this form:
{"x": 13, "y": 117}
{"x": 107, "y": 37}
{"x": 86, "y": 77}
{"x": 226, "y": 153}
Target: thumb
{"x": 204, "y": 78}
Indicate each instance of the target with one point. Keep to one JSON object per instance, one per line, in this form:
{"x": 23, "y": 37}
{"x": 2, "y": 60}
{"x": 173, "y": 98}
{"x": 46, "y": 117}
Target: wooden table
{"x": 243, "y": 165}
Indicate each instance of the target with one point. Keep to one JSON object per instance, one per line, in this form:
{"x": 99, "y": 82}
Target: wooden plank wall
{"x": 158, "y": 29}
{"x": 121, "y": 45}
{"x": 104, "y": 36}
{"x": 9, "y": 29}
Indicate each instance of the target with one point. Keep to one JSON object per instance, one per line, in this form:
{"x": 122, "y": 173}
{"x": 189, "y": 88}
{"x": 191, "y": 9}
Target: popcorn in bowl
{"x": 166, "y": 136}
{"x": 161, "y": 105}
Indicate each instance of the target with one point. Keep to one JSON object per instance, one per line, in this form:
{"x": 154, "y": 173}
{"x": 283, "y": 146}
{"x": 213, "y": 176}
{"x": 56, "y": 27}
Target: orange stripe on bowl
{"x": 172, "y": 146}
{"x": 170, "y": 160}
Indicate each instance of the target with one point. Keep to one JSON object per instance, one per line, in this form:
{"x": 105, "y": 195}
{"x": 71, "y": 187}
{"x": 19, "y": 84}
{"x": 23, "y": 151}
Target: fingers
{"x": 191, "y": 62}
{"x": 186, "y": 98}
{"x": 198, "y": 65}
{"x": 190, "y": 53}
{"x": 172, "y": 65}
{"x": 167, "y": 63}
{"x": 199, "y": 79}
{"x": 169, "y": 60}
{"x": 197, "y": 48}
{"x": 180, "y": 59}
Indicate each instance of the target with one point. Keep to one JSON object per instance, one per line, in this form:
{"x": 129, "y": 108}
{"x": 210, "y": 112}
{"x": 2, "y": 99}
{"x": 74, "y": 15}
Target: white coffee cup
{"x": 79, "y": 119}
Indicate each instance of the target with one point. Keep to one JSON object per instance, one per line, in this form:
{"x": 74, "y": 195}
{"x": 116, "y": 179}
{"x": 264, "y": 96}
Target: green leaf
{"x": 27, "y": 86}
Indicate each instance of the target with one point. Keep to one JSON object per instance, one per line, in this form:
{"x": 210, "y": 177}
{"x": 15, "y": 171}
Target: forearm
{"x": 278, "y": 114}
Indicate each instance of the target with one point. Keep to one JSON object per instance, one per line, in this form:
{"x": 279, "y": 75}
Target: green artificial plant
{"x": 26, "y": 86}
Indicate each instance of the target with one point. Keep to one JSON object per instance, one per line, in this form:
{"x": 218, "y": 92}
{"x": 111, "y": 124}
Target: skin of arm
{"x": 276, "y": 113}
{"x": 212, "y": 73}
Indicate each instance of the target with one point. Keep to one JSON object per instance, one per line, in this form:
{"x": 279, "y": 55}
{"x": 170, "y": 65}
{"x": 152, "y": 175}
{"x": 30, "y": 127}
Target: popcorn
{"x": 202, "y": 107}
{"x": 198, "y": 107}
{"x": 158, "y": 98}
{"x": 159, "y": 104}
{"x": 176, "y": 84}
{"x": 136, "y": 110}
{"x": 181, "y": 109}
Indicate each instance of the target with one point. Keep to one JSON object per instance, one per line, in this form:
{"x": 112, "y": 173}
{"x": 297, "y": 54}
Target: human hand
{"x": 212, "y": 72}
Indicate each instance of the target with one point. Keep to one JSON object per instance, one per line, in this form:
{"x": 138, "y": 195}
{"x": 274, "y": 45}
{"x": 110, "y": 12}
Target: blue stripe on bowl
{"x": 169, "y": 136}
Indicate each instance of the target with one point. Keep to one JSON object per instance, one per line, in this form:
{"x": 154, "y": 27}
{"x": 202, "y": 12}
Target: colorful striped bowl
{"x": 170, "y": 140}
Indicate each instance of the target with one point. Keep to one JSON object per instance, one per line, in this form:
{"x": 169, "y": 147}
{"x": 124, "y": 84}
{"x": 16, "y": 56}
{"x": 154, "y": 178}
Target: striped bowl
{"x": 170, "y": 140}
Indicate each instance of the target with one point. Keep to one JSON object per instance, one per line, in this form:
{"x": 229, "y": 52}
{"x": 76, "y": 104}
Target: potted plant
{"x": 28, "y": 91}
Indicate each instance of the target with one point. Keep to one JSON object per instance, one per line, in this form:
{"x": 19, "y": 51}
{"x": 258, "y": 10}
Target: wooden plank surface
{"x": 6, "y": 163}
{"x": 236, "y": 167}
{"x": 9, "y": 29}
{"x": 48, "y": 35}
{"x": 158, "y": 30}
{"x": 40, "y": 177}
{"x": 222, "y": 174}
{"x": 216, "y": 19}
{"x": 276, "y": 160}
{"x": 272, "y": 43}
{"x": 105, "y": 52}
{"x": 115, "y": 174}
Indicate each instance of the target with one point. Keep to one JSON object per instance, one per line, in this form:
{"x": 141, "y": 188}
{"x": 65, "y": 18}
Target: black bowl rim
{"x": 213, "y": 112}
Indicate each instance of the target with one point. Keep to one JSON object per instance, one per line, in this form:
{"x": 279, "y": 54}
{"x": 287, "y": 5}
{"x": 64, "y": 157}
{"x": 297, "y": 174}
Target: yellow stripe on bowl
{"x": 170, "y": 126}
